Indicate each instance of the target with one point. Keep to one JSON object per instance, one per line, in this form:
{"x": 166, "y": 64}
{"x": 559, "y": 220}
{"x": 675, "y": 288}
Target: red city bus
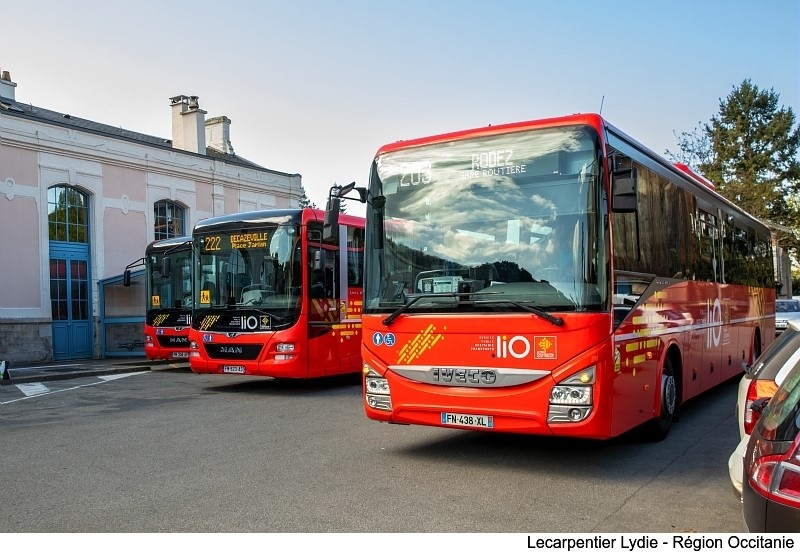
{"x": 553, "y": 277}
{"x": 273, "y": 299}
{"x": 168, "y": 287}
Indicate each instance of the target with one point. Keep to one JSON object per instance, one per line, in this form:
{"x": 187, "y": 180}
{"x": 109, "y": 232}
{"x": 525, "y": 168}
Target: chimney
{"x": 188, "y": 124}
{"x": 6, "y": 85}
{"x": 218, "y": 134}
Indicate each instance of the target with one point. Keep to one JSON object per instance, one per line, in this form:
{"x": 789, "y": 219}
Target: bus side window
{"x": 317, "y": 284}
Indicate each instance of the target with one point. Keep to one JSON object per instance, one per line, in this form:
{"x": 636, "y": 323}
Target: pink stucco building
{"x": 80, "y": 200}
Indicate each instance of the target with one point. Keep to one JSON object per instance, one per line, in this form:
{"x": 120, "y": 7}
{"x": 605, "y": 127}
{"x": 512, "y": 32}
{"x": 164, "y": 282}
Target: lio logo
{"x": 713, "y": 318}
{"x": 517, "y": 347}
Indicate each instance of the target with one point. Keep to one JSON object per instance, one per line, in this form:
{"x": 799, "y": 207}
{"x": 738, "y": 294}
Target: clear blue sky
{"x": 316, "y": 87}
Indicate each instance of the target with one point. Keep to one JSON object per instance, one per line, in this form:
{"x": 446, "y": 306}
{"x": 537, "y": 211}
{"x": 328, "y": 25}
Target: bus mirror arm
{"x": 345, "y": 189}
{"x": 126, "y": 275}
{"x": 330, "y": 228}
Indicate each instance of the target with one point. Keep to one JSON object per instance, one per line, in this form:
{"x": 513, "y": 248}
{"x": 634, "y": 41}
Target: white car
{"x": 759, "y": 383}
{"x": 785, "y": 311}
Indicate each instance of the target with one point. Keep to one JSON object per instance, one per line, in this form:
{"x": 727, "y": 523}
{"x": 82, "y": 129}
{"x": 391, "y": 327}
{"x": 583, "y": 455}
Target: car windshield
{"x": 787, "y": 306}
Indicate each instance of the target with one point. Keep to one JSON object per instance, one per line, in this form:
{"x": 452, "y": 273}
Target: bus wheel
{"x": 668, "y": 400}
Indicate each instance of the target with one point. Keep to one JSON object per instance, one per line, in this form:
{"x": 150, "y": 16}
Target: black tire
{"x": 659, "y": 427}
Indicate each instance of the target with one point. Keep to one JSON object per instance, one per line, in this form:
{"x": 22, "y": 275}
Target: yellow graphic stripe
{"x": 423, "y": 341}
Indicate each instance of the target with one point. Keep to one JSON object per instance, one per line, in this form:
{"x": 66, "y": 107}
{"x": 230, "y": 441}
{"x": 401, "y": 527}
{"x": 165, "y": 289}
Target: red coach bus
{"x": 273, "y": 299}
{"x": 168, "y": 287}
{"x": 553, "y": 277}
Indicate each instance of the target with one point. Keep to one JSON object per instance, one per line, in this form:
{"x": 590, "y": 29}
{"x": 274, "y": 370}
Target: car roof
{"x": 779, "y": 358}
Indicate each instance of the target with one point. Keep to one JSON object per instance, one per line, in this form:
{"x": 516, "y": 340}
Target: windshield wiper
{"x": 403, "y": 308}
{"x": 558, "y": 321}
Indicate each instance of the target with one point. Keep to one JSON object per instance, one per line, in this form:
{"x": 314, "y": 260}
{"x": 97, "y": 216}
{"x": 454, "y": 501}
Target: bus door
{"x": 351, "y": 278}
{"x": 322, "y": 297}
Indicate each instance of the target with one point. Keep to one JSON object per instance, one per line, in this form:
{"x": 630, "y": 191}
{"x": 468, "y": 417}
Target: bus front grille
{"x": 233, "y": 351}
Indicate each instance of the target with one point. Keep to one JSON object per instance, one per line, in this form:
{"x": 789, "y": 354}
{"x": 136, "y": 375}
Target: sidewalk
{"x": 77, "y": 368}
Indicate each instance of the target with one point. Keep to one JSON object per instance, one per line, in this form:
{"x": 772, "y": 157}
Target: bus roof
{"x": 165, "y": 244}
{"x": 593, "y": 120}
{"x": 274, "y": 216}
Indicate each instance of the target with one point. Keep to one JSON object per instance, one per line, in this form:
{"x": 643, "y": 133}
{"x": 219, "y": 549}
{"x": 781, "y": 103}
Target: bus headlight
{"x": 571, "y": 395}
{"x": 571, "y": 399}
{"x": 285, "y": 352}
{"x": 376, "y": 390}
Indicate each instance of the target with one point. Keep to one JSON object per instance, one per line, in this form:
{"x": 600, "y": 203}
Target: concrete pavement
{"x": 76, "y": 368}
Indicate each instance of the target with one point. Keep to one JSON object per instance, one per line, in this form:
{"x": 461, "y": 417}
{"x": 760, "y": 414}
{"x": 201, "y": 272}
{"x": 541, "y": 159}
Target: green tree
{"x": 304, "y": 200}
{"x": 749, "y": 151}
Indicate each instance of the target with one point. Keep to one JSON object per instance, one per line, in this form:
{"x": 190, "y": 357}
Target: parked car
{"x": 771, "y": 485}
{"x": 785, "y": 311}
{"x": 760, "y": 382}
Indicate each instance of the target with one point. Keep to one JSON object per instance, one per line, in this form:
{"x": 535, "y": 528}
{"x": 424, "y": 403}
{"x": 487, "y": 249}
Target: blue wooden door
{"x": 70, "y": 302}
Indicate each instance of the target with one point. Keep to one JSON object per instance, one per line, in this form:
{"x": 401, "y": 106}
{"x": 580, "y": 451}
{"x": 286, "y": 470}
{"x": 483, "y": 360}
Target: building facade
{"x": 80, "y": 200}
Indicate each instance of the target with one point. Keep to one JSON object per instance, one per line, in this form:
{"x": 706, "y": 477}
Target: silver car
{"x": 759, "y": 383}
{"x": 785, "y": 310}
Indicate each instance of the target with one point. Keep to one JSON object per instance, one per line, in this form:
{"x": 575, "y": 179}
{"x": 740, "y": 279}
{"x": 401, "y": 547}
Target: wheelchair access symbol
{"x": 379, "y": 339}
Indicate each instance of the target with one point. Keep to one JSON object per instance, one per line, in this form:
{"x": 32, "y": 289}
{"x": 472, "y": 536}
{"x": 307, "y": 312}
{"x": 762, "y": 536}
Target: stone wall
{"x": 26, "y": 341}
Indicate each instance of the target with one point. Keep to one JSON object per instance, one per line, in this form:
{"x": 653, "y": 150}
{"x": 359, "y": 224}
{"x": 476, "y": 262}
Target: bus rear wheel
{"x": 668, "y": 402}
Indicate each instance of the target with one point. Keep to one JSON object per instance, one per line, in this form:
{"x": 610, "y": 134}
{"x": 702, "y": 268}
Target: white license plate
{"x": 180, "y": 354}
{"x": 238, "y": 369}
{"x": 467, "y": 420}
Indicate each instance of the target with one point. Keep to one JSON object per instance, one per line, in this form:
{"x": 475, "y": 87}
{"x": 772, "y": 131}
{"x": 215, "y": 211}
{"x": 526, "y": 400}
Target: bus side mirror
{"x": 166, "y": 267}
{"x": 330, "y": 226}
{"x": 126, "y": 278}
{"x": 623, "y": 190}
{"x": 362, "y": 194}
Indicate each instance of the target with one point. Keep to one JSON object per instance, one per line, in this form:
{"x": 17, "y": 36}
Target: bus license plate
{"x": 238, "y": 369}
{"x": 465, "y": 420}
{"x": 180, "y": 354}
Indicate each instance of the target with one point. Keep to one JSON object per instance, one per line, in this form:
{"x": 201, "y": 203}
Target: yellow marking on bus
{"x": 419, "y": 345}
{"x": 639, "y": 359}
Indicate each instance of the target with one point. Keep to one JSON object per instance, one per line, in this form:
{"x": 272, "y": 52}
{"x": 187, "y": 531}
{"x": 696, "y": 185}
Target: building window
{"x": 169, "y": 220}
{"x": 67, "y": 214}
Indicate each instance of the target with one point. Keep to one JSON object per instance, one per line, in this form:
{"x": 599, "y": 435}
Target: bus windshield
{"x": 258, "y": 269}
{"x": 497, "y": 222}
{"x": 172, "y": 291}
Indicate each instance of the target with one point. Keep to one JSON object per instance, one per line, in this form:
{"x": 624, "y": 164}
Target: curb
{"x": 73, "y": 374}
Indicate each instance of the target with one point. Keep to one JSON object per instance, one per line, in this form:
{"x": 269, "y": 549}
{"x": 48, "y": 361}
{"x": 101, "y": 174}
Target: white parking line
{"x": 36, "y": 389}
{"x": 33, "y": 388}
{"x": 120, "y": 375}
